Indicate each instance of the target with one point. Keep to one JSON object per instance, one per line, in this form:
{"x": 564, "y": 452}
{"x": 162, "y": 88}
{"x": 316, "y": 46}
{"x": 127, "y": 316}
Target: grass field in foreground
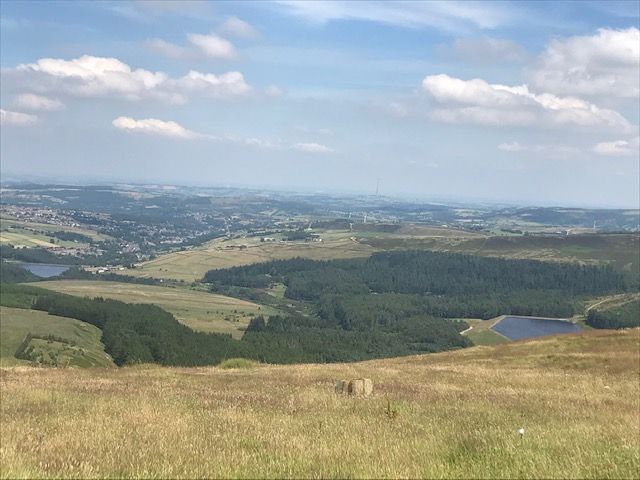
{"x": 202, "y": 311}
{"x": 16, "y": 323}
{"x": 448, "y": 415}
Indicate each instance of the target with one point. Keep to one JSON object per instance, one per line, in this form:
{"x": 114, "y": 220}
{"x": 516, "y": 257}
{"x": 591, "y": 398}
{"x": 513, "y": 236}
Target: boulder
{"x": 361, "y": 387}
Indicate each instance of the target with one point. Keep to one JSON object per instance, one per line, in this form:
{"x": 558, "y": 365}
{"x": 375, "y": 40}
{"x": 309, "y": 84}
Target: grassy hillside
{"x": 202, "y": 311}
{"x": 480, "y": 332}
{"x": 192, "y": 264}
{"x": 81, "y": 345}
{"x": 29, "y": 234}
{"x": 620, "y": 251}
{"x": 448, "y": 415}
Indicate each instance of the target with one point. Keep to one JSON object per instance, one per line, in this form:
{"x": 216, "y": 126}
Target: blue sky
{"x": 532, "y": 103}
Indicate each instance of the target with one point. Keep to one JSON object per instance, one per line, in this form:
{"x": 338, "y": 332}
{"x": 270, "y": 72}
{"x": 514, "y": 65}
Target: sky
{"x": 532, "y": 103}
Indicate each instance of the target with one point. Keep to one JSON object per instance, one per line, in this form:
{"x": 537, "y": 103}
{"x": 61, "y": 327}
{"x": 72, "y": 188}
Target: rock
{"x": 356, "y": 387}
{"x": 341, "y": 387}
{"x": 368, "y": 387}
{"x": 362, "y": 387}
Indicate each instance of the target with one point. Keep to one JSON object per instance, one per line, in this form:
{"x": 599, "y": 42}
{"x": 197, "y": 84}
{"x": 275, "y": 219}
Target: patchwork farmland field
{"x": 192, "y": 264}
{"x": 31, "y": 234}
{"x": 199, "y": 310}
{"x": 620, "y": 251}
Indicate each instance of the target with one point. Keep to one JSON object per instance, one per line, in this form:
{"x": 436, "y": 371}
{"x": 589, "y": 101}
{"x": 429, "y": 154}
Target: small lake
{"x": 44, "y": 270}
{"x": 515, "y": 328}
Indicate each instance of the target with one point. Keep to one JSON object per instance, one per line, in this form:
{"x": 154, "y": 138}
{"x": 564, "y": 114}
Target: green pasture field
{"x": 16, "y": 323}
{"x": 202, "y": 311}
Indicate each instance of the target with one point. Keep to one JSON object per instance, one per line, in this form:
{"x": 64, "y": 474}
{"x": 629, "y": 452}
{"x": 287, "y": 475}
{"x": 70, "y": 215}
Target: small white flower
{"x": 521, "y": 431}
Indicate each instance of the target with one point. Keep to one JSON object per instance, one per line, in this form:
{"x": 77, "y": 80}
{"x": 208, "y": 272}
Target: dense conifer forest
{"x": 391, "y": 304}
{"x": 623, "y": 316}
{"x": 392, "y": 285}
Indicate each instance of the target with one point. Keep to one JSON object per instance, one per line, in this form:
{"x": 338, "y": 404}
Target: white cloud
{"x": 476, "y": 101}
{"x": 152, "y": 126}
{"x": 233, "y": 26}
{"x": 619, "y": 147}
{"x": 167, "y": 49}
{"x": 199, "y": 47}
{"x": 17, "y": 119}
{"x": 30, "y": 101}
{"x": 212, "y": 46}
{"x": 226, "y": 85}
{"x": 604, "y": 64}
{"x": 97, "y": 77}
{"x": 312, "y": 148}
{"x": 397, "y": 109}
{"x": 273, "y": 91}
{"x": 489, "y": 50}
{"x": 171, "y": 129}
{"x": 511, "y": 147}
{"x": 261, "y": 143}
{"x": 90, "y": 76}
{"x": 146, "y": 11}
{"x": 551, "y": 150}
{"x": 443, "y": 15}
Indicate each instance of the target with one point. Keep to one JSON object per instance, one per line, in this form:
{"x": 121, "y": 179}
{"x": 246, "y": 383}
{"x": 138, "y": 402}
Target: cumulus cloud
{"x": 30, "y": 101}
{"x": 489, "y": 50}
{"x": 233, "y": 26}
{"x": 212, "y": 46}
{"x": 312, "y": 148}
{"x": 96, "y": 77}
{"x": 152, "y": 126}
{"x": 604, "y": 64}
{"x": 226, "y": 85}
{"x": 90, "y": 76}
{"x": 476, "y": 101}
{"x": 618, "y": 147}
{"x": 17, "y": 119}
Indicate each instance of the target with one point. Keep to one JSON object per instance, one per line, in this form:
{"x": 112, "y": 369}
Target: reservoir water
{"x": 44, "y": 270}
{"x": 515, "y": 328}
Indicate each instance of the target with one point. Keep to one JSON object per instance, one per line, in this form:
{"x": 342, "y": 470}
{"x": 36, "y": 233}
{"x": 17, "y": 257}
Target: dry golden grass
{"x": 456, "y": 415}
{"x": 192, "y": 264}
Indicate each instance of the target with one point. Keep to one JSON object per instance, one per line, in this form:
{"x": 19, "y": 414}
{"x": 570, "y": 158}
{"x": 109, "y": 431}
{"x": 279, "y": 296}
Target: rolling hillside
{"x": 56, "y": 340}
{"x": 201, "y": 311}
{"x": 448, "y": 415}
